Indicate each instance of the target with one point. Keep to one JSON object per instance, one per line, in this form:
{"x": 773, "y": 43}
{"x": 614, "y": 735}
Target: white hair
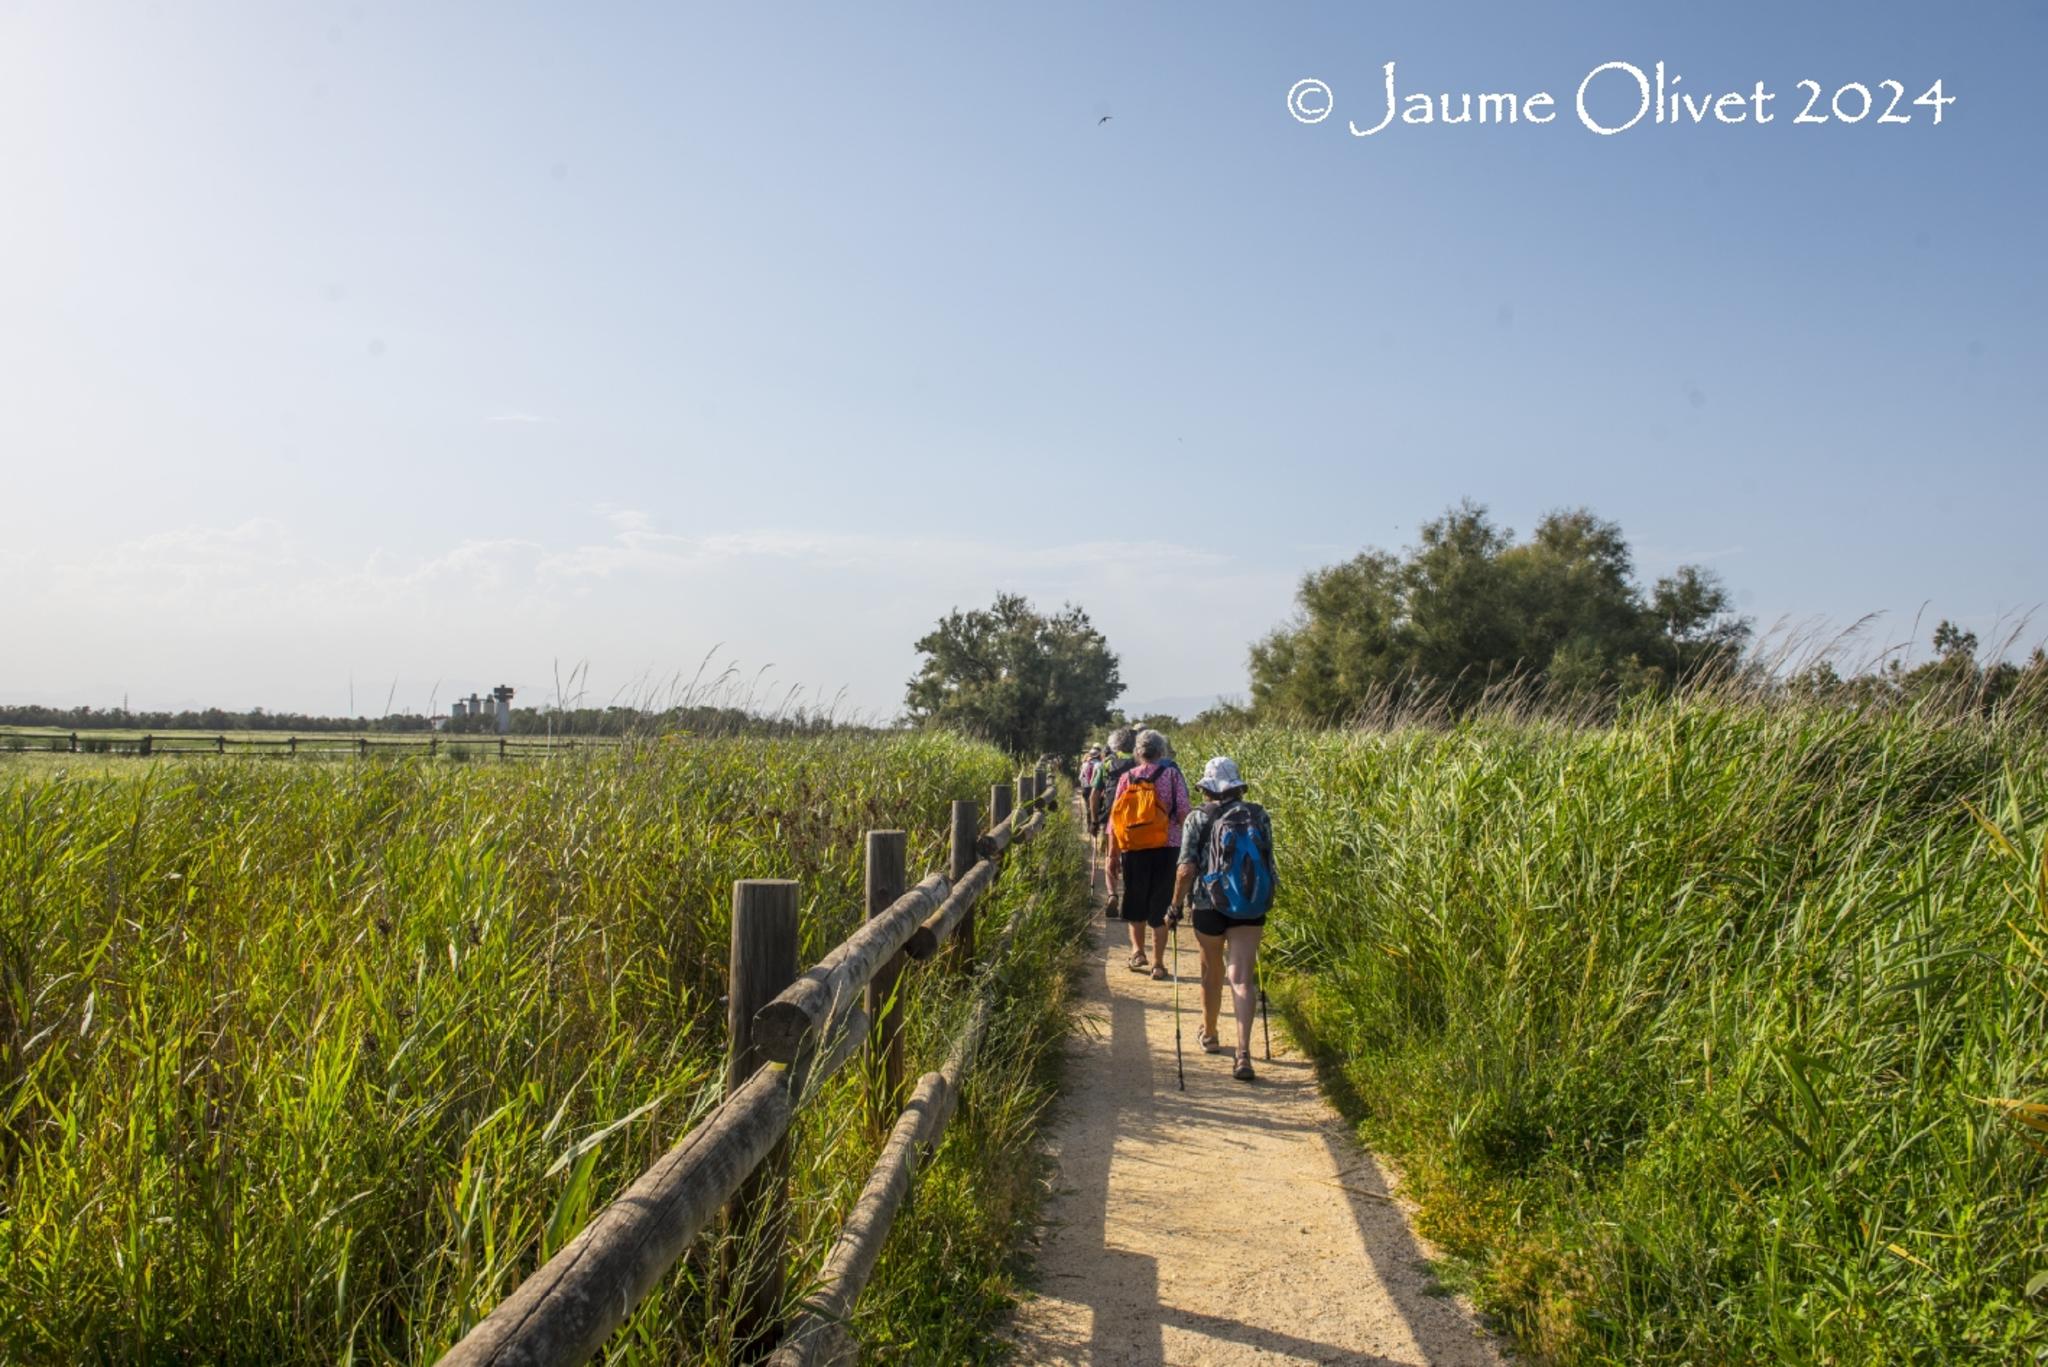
{"x": 1151, "y": 746}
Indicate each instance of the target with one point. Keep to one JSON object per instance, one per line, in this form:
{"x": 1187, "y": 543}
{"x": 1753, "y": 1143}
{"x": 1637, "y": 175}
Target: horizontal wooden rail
{"x": 961, "y": 1060}
{"x": 998, "y": 837}
{"x": 821, "y": 1323}
{"x": 565, "y": 1310}
{"x": 926, "y": 940}
{"x": 808, "y": 1004}
{"x": 819, "y": 1335}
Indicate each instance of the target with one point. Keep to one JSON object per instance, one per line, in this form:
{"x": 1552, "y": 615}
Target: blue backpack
{"x": 1237, "y": 873}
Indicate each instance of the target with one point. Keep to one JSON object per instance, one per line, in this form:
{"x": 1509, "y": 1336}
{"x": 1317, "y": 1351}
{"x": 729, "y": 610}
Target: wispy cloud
{"x": 637, "y": 548}
{"x": 828, "y": 605}
{"x": 262, "y": 560}
{"x": 1657, "y": 560}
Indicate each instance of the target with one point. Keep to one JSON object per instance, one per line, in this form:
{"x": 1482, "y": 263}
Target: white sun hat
{"x": 1220, "y": 775}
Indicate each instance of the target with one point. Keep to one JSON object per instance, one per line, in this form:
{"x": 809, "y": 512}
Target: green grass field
{"x": 1717, "y": 1036}
{"x": 306, "y": 1063}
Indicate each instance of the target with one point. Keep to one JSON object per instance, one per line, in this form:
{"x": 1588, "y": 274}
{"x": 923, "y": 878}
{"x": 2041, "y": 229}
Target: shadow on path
{"x": 1226, "y": 1224}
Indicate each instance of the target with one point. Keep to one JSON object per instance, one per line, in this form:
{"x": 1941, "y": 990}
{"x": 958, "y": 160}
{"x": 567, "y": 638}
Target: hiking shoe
{"x": 1243, "y": 1071}
{"x": 1159, "y": 973}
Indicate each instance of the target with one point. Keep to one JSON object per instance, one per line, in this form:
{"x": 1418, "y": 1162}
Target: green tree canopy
{"x": 1031, "y": 683}
{"x": 1953, "y": 682}
{"x": 1470, "y": 606}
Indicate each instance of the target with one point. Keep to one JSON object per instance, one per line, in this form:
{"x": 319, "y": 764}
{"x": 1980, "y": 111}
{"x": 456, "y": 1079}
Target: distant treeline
{"x": 1956, "y": 677}
{"x": 526, "y": 721}
{"x": 696, "y": 720}
{"x": 202, "y": 719}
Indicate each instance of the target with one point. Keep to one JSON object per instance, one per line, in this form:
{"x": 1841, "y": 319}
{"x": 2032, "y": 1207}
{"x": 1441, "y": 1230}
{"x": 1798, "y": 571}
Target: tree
{"x": 1469, "y": 607}
{"x": 1030, "y": 683}
{"x": 1953, "y": 683}
{"x": 1951, "y": 640}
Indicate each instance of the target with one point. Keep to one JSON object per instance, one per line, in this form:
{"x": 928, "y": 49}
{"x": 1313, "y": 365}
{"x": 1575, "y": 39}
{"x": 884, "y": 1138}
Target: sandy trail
{"x": 1231, "y": 1223}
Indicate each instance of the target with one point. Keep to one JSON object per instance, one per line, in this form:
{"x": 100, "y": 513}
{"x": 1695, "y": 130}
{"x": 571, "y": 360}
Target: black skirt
{"x": 1148, "y": 884}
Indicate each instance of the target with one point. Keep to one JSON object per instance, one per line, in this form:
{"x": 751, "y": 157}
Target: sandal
{"x": 1243, "y": 1071}
{"x": 1211, "y": 1044}
{"x": 1159, "y": 973}
{"x": 1139, "y": 963}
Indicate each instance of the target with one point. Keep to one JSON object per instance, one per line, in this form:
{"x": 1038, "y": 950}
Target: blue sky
{"x": 433, "y": 346}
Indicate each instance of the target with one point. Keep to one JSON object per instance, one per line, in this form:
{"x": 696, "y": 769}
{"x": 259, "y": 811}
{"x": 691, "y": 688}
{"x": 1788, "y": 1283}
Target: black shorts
{"x": 1148, "y": 883}
{"x": 1209, "y": 921}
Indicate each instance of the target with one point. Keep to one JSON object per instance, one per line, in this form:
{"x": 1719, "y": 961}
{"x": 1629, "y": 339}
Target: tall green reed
{"x": 308, "y": 1063}
{"x": 1713, "y": 1035}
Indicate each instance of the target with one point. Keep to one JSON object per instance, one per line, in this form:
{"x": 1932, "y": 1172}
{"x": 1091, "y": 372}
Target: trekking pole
{"x": 1265, "y": 1022}
{"x": 1179, "y": 1072}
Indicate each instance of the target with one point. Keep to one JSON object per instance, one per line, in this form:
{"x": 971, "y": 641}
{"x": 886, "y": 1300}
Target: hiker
{"x": 1084, "y": 776}
{"x": 1145, "y": 820}
{"x": 1117, "y": 761}
{"x": 1225, "y": 876}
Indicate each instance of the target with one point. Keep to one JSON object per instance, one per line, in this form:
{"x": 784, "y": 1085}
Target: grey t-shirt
{"x": 1194, "y": 842}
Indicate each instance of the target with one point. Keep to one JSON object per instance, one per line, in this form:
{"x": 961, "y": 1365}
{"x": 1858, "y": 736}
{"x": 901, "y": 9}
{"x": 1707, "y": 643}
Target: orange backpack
{"x": 1138, "y": 820}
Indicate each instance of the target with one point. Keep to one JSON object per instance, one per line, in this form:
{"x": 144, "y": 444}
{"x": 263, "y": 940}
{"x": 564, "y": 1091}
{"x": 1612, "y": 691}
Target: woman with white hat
{"x": 1225, "y": 876}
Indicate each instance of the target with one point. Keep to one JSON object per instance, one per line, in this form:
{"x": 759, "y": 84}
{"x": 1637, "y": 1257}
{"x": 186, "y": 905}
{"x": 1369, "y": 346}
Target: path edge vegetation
{"x": 1713, "y": 1034}
{"x": 952, "y": 1269}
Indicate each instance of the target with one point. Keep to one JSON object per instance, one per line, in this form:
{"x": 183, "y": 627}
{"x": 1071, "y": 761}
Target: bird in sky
{"x": 1104, "y": 119}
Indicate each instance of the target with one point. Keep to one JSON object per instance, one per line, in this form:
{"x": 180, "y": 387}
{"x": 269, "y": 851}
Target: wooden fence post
{"x": 220, "y": 745}
{"x": 74, "y": 742}
{"x": 764, "y": 952}
{"x": 501, "y": 747}
{"x": 887, "y": 877}
{"x": 147, "y": 741}
{"x": 964, "y": 835}
{"x": 999, "y": 806}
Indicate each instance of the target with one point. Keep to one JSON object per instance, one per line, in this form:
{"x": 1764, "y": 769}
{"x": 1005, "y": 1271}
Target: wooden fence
{"x": 789, "y": 1031}
{"x": 317, "y": 746}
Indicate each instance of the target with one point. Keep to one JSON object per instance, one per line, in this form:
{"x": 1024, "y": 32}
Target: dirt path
{"x": 1231, "y": 1223}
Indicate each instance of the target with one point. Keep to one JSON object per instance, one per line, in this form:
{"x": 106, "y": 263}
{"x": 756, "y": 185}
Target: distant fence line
{"x": 787, "y": 1033}
{"x": 149, "y": 744}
